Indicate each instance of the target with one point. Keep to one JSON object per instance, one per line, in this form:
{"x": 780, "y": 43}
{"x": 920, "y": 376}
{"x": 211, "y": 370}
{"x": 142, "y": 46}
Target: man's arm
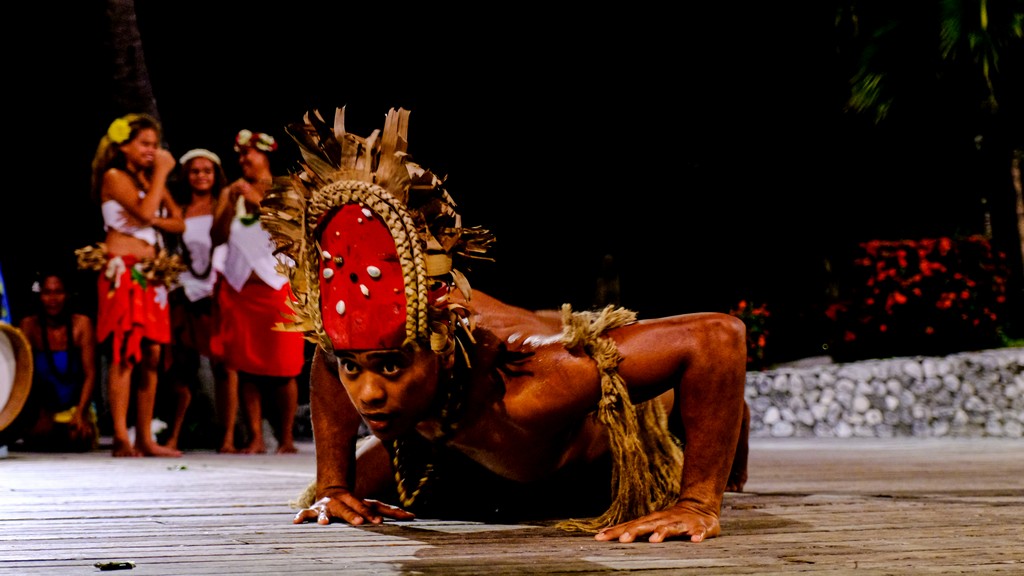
{"x": 335, "y": 431}
{"x": 705, "y": 356}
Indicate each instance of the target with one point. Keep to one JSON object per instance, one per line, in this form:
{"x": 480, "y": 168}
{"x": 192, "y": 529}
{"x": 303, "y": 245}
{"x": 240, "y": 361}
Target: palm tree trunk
{"x": 132, "y": 91}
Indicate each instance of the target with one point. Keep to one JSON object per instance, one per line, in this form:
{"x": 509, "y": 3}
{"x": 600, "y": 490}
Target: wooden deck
{"x": 812, "y": 506}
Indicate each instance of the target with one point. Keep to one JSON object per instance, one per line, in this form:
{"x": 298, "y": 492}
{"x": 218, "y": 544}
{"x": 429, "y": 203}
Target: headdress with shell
{"x": 375, "y": 238}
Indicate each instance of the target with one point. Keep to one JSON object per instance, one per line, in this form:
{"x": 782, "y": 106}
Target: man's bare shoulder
{"x": 505, "y": 319}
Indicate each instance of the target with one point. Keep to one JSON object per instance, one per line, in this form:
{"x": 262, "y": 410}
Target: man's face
{"x": 393, "y": 390}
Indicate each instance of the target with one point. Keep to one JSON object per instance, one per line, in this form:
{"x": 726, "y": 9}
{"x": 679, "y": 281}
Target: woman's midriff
{"x": 121, "y": 244}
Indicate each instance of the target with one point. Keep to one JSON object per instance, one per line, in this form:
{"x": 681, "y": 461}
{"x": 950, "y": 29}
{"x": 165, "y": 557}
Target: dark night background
{"x": 705, "y": 148}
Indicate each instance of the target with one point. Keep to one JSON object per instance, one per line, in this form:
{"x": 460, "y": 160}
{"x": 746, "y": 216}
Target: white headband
{"x": 199, "y": 153}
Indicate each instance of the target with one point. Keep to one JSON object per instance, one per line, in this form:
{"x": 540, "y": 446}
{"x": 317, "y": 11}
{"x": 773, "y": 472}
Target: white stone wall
{"x": 969, "y": 394}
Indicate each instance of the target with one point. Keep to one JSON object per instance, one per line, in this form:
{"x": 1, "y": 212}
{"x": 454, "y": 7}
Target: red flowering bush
{"x": 756, "y": 320}
{"x": 927, "y": 297}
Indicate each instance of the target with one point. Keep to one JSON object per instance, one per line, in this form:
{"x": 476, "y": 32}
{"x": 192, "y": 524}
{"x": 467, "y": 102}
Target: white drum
{"x": 15, "y": 373}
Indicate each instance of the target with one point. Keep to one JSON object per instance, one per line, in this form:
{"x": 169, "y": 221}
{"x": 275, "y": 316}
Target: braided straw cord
{"x": 406, "y": 497}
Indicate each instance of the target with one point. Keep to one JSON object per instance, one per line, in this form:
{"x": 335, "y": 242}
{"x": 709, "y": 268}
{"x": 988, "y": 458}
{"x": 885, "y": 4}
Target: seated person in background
{"x": 481, "y": 410}
{"x": 59, "y": 414}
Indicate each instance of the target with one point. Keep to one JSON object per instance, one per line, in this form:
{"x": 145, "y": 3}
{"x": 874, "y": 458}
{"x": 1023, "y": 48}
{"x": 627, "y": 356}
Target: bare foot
{"x": 255, "y": 447}
{"x": 287, "y": 449}
{"x": 159, "y": 451}
{"x": 227, "y": 445}
{"x": 124, "y": 449}
{"x": 171, "y": 443}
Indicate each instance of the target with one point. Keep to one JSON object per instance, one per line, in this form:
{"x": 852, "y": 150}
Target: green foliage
{"x": 883, "y": 42}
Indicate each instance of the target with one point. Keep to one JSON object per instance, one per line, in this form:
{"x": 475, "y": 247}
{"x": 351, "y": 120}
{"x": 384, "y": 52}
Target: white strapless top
{"x": 196, "y": 239}
{"x": 115, "y": 218}
{"x": 251, "y": 251}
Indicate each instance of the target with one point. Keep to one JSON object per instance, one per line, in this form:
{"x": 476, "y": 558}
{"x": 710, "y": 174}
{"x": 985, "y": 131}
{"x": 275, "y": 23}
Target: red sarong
{"x": 131, "y": 309}
{"x": 244, "y": 335}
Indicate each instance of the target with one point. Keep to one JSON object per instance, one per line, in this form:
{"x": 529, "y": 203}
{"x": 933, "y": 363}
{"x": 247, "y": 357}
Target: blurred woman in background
{"x": 192, "y": 308}
{"x": 129, "y": 179}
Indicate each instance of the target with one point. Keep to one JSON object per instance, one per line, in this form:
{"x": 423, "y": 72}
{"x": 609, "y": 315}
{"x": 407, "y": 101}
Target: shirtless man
{"x": 531, "y": 415}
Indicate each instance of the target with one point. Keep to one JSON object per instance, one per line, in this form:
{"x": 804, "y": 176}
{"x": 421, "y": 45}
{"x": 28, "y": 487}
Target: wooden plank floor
{"x": 812, "y": 506}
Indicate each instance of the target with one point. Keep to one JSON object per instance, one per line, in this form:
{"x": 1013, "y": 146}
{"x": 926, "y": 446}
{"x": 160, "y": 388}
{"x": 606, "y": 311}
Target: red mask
{"x": 362, "y": 288}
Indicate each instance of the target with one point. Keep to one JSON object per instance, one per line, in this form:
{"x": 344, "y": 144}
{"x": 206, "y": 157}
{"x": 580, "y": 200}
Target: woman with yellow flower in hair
{"x": 129, "y": 180}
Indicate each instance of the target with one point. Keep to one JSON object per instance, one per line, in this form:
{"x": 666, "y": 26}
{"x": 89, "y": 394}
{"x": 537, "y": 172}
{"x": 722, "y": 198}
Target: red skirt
{"x": 244, "y": 336}
{"x": 130, "y": 311}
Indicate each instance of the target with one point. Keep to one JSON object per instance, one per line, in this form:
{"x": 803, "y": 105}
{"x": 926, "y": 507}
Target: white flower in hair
{"x": 243, "y": 138}
{"x": 261, "y": 141}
